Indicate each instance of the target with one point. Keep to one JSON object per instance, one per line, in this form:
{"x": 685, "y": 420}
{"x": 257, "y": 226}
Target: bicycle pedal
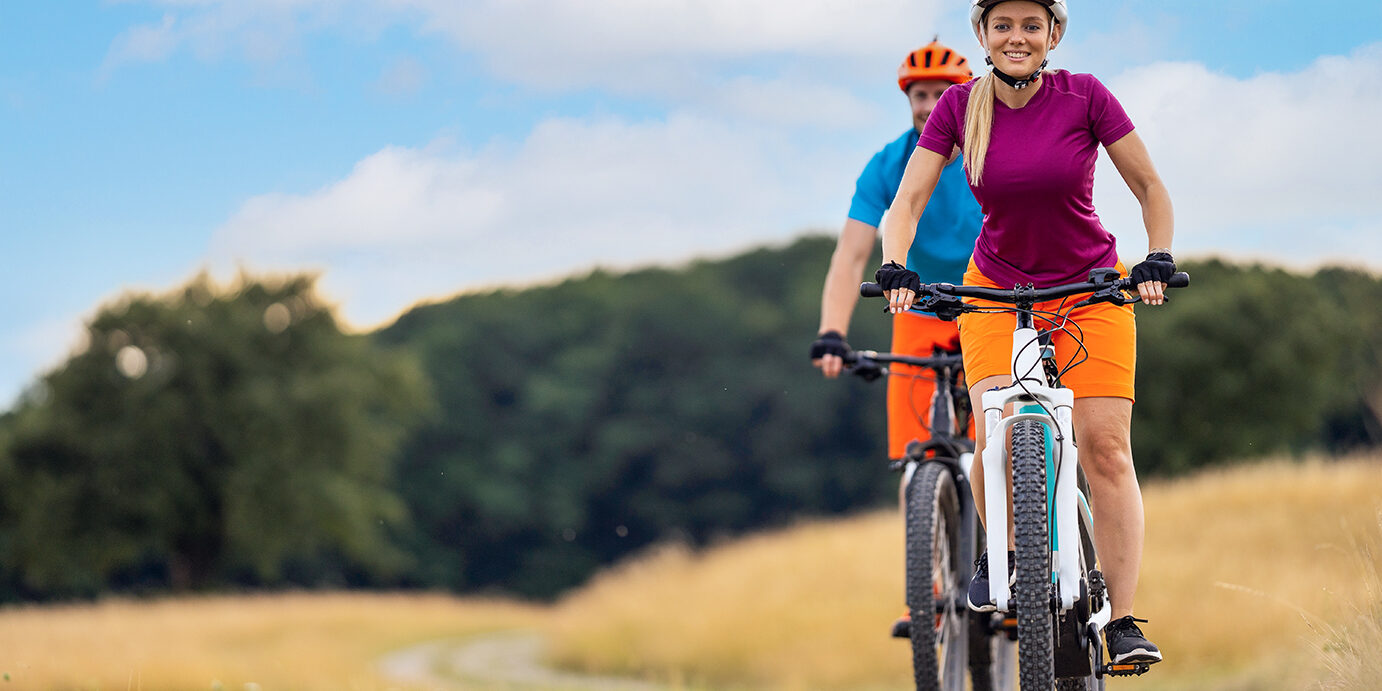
{"x": 1126, "y": 669}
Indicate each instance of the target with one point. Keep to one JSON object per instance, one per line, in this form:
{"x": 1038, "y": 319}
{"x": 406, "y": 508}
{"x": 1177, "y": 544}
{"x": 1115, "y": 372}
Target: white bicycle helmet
{"x": 1057, "y": 8}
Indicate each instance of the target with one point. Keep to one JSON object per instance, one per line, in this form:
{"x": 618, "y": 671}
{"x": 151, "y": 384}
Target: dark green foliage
{"x": 583, "y": 420}
{"x": 1251, "y": 361}
{"x": 679, "y": 404}
{"x": 565, "y": 426}
{"x": 208, "y": 438}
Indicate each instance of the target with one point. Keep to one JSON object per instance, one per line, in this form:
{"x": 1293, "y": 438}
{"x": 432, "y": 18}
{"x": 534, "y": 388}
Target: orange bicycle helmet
{"x": 933, "y": 61}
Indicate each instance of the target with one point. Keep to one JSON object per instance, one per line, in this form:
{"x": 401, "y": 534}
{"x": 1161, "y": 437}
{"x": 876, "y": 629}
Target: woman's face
{"x": 1018, "y": 34}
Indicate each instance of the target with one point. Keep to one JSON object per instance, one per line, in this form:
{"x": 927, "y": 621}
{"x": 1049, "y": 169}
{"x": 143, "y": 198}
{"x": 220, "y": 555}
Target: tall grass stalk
{"x": 1349, "y": 648}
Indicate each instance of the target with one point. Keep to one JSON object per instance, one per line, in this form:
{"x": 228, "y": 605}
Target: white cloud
{"x": 788, "y": 103}
{"x": 1277, "y": 166}
{"x": 403, "y": 77}
{"x": 408, "y": 224}
{"x": 262, "y": 31}
{"x": 630, "y": 46}
{"x": 526, "y": 38}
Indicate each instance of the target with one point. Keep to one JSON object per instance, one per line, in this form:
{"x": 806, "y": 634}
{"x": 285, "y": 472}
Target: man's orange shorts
{"x": 910, "y": 388}
{"x": 1106, "y": 365}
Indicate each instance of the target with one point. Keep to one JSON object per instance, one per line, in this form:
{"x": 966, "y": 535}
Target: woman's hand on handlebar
{"x": 900, "y": 286}
{"x": 1152, "y": 275}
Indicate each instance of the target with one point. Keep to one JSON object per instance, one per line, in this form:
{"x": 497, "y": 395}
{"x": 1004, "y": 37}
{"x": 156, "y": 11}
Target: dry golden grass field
{"x": 1255, "y": 577}
{"x": 1244, "y": 570}
{"x": 302, "y": 641}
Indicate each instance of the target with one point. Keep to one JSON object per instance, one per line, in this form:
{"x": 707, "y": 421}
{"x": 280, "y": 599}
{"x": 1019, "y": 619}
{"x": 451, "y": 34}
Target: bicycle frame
{"x": 1034, "y": 396}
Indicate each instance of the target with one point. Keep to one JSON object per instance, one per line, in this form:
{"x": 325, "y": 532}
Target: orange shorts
{"x": 1105, "y": 367}
{"x": 910, "y": 388}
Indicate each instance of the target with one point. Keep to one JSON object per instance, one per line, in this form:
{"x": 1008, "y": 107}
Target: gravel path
{"x": 510, "y": 660}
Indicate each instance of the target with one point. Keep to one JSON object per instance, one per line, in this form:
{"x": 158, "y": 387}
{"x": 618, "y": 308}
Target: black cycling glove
{"x": 829, "y": 343}
{"x": 1158, "y": 266}
{"x": 892, "y": 276}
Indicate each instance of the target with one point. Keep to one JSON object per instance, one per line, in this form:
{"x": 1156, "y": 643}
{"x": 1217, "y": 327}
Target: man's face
{"x": 923, "y": 95}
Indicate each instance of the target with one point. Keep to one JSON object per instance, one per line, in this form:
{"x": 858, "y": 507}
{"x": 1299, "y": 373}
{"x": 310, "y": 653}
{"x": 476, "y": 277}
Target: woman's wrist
{"x": 1159, "y": 250}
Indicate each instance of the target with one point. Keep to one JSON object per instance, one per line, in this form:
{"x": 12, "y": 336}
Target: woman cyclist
{"x": 1030, "y": 139}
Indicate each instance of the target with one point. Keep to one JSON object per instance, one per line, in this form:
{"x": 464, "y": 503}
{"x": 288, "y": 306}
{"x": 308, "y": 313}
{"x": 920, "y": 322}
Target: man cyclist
{"x": 940, "y": 252}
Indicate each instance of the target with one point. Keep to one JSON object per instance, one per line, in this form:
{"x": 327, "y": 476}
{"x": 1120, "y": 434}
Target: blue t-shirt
{"x": 949, "y": 225}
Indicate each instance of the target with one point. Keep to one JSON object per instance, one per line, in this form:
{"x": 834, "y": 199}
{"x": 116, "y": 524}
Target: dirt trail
{"x": 511, "y": 660}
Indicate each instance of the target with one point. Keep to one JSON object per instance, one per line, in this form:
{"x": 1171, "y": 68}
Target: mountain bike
{"x": 941, "y": 534}
{"x": 1059, "y": 596}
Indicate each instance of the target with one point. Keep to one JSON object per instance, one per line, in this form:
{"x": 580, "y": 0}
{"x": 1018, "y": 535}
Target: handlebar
{"x": 934, "y": 362}
{"x": 869, "y": 364}
{"x": 944, "y": 298}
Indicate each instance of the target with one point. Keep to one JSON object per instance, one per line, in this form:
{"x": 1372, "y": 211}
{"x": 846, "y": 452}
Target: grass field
{"x": 1245, "y": 572}
{"x": 299, "y": 641}
{"x": 1255, "y": 577}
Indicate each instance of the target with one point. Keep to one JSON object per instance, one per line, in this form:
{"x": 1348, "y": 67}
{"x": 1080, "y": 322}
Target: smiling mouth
{"x": 1018, "y": 57}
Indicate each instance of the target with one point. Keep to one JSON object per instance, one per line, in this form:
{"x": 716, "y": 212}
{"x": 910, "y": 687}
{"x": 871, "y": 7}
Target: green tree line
{"x": 518, "y": 440}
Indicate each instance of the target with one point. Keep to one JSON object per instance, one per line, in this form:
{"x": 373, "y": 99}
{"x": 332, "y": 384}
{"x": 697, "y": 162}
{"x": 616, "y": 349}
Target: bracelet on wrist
{"x": 1161, "y": 250}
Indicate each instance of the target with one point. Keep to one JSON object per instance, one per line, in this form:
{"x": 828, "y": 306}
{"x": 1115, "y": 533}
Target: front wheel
{"x": 934, "y": 580}
{"x": 1032, "y": 562}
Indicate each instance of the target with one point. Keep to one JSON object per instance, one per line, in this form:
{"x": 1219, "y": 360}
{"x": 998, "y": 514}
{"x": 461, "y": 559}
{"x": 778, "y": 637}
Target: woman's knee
{"x": 1106, "y": 456}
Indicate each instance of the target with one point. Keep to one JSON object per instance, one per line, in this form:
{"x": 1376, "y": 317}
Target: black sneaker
{"x": 902, "y": 628}
{"x": 1126, "y": 644}
{"x": 978, "y": 598}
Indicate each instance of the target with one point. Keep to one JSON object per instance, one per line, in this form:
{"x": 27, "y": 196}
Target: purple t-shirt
{"x": 1037, "y": 194}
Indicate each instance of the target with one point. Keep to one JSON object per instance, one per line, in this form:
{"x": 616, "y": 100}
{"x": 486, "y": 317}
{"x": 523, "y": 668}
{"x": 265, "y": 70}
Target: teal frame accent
{"x": 1050, "y": 479}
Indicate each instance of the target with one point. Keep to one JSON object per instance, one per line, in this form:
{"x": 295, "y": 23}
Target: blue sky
{"x": 408, "y": 150}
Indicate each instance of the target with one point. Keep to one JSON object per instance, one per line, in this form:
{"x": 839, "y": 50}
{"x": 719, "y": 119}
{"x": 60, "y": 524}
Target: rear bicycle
{"x": 940, "y": 523}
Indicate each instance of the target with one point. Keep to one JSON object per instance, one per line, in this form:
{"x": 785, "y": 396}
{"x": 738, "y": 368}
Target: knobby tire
{"x": 1032, "y": 593}
{"x": 934, "y": 578}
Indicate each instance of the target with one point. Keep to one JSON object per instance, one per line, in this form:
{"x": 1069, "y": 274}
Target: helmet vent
{"x": 945, "y": 57}
{"x": 928, "y": 58}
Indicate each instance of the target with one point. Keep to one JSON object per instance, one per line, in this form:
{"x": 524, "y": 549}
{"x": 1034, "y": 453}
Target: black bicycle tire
{"x": 980, "y": 653}
{"x": 933, "y": 510}
{"x": 1032, "y": 562}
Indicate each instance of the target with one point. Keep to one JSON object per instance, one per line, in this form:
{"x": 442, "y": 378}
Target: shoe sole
{"x": 1138, "y": 655}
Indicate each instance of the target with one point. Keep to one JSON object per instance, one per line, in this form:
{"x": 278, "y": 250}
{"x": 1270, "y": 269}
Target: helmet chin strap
{"x": 1015, "y": 82}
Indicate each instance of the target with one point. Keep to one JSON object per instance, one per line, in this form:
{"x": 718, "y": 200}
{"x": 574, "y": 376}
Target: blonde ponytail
{"x": 978, "y": 127}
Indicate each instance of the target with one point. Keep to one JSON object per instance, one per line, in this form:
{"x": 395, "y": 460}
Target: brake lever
{"x": 866, "y": 367}
{"x": 945, "y": 307}
{"x": 1111, "y": 295}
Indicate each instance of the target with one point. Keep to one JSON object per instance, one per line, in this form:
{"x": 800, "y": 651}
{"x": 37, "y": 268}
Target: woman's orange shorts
{"x": 1106, "y": 365}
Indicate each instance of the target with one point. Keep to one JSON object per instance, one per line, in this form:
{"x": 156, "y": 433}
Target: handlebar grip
{"x": 871, "y": 290}
{"x": 1180, "y": 279}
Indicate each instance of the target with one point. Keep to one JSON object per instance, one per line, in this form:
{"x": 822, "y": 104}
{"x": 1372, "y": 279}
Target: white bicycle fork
{"x": 1031, "y": 389}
